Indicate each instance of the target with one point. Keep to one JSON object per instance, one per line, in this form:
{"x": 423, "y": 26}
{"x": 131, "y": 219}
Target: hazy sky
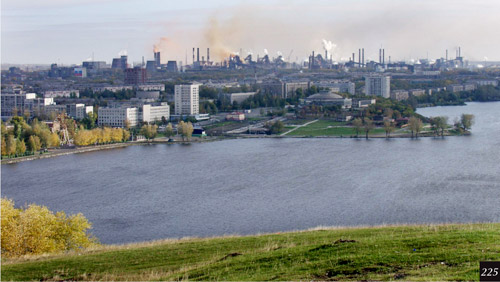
{"x": 69, "y": 31}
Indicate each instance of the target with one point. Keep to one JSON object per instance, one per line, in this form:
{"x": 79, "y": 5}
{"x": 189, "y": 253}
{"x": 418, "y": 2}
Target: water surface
{"x": 249, "y": 186}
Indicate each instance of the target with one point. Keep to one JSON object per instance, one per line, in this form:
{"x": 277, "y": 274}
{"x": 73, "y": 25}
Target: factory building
{"x": 238, "y": 97}
{"x": 187, "y": 99}
{"x": 378, "y": 86}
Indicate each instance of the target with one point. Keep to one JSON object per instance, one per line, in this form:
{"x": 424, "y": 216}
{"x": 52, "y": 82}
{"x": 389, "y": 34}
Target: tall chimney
{"x": 446, "y": 54}
{"x": 312, "y": 62}
{"x": 198, "y": 55}
{"x": 353, "y": 57}
{"x": 326, "y": 55}
{"x": 380, "y": 56}
{"x": 363, "y": 56}
{"x": 383, "y": 56}
{"x": 208, "y": 55}
{"x": 359, "y": 57}
{"x": 193, "y": 55}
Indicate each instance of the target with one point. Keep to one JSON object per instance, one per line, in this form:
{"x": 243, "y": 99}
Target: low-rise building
{"x": 416, "y": 92}
{"x": 238, "y": 116}
{"x": 328, "y": 98}
{"x": 484, "y": 82}
{"x": 455, "y": 88}
{"x": 62, "y": 93}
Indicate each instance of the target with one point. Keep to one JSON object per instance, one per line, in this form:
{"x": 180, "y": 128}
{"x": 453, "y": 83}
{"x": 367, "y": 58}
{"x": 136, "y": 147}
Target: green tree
{"x": 34, "y": 143}
{"x": 358, "y": 125}
{"x": 149, "y": 131}
{"x": 10, "y": 145}
{"x": 276, "y": 127}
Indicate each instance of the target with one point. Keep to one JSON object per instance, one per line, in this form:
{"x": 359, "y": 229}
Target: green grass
{"x": 330, "y": 128}
{"x": 436, "y": 252}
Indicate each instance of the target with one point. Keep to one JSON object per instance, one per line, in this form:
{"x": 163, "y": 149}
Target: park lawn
{"x": 331, "y": 131}
{"x": 420, "y": 252}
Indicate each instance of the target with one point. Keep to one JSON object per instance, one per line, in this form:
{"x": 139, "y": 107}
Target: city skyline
{"x": 69, "y": 33}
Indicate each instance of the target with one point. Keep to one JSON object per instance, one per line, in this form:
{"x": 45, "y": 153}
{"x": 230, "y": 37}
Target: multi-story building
{"x": 338, "y": 86}
{"x": 291, "y": 88}
{"x": 21, "y": 103}
{"x": 484, "y": 82}
{"x": 416, "y": 92}
{"x": 119, "y": 116}
{"x": 187, "y": 99}
{"x": 399, "y": 95}
{"x": 136, "y": 76}
{"x": 454, "y": 88}
{"x": 238, "y": 97}
{"x": 378, "y": 86}
{"x": 78, "y": 111}
{"x": 61, "y": 93}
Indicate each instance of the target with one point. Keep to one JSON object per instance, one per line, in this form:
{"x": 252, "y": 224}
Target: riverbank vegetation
{"x": 105, "y": 135}
{"x": 426, "y": 252}
{"x": 35, "y": 230}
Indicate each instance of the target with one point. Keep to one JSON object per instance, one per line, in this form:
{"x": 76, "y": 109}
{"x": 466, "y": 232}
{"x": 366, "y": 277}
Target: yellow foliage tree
{"x": 37, "y": 230}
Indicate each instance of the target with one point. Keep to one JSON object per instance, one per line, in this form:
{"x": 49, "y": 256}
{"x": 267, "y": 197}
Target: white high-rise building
{"x": 118, "y": 116}
{"x": 187, "y": 99}
{"x": 378, "y": 86}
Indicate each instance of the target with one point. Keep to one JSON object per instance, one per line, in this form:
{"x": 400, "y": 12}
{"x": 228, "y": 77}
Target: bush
{"x": 37, "y": 230}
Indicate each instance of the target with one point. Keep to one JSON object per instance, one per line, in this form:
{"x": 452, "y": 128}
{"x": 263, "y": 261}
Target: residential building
{"x": 378, "y": 86}
{"x": 62, "y": 93}
{"x": 416, "y": 92}
{"x": 238, "y": 97}
{"x": 136, "y": 76}
{"x": 455, "y": 88}
{"x": 20, "y": 103}
{"x": 338, "y": 86}
{"x": 119, "y": 116}
{"x": 399, "y": 95}
{"x": 290, "y": 88}
{"x": 484, "y": 82}
{"x": 187, "y": 99}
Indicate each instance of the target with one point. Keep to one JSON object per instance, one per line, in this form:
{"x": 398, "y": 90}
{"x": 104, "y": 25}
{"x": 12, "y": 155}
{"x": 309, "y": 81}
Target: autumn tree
{"x": 20, "y": 147}
{"x": 149, "y": 131}
{"x": 358, "y": 126}
{"x": 37, "y": 230}
{"x": 185, "y": 129}
{"x": 388, "y": 128}
{"x": 466, "y": 121}
{"x": 368, "y": 126}
{"x": 415, "y": 125}
{"x": 169, "y": 130}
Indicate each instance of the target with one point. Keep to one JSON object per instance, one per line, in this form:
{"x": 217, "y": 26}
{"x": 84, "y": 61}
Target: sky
{"x": 71, "y": 31}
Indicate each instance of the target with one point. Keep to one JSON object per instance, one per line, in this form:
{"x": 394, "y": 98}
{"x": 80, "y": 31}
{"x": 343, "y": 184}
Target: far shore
{"x": 55, "y": 152}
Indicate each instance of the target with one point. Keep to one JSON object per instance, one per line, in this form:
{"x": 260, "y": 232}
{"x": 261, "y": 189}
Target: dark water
{"x": 264, "y": 185}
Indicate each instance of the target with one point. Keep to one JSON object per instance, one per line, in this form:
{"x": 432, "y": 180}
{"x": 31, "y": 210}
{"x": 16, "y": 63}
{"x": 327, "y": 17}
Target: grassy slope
{"x": 444, "y": 252}
{"x": 329, "y": 128}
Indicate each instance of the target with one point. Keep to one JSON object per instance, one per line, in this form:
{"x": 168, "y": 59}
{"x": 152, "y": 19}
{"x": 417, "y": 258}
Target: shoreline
{"x": 77, "y": 150}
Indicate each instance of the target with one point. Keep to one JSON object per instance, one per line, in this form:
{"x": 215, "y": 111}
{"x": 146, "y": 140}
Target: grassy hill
{"x": 435, "y": 252}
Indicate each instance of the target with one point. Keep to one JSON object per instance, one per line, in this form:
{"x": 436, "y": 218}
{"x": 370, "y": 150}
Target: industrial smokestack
{"x": 208, "y": 55}
{"x": 198, "y": 55}
{"x": 359, "y": 57}
{"x": 353, "y": 57}
{"x": 193, "y": 55}
{"x": 383, "y": 56}
{"x": 312, "y": 62}
{"x": 326, "y": 55}
{"x": 380, "y": 56}
{"x": 446, "y": 54}
{"x": 363, "y": 56}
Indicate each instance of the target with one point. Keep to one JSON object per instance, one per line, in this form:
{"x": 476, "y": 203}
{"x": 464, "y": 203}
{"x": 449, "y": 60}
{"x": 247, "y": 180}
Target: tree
{"x": 415, "y": 125}
{"x": 466, "y": 121}
{"x": 37, "y": 230}
{"x": 369, "y": 126}
{"x": 34, "y": 143}
{"x": 10, "y": 145}
{"x": 439, "y": 124}
{"x": 149, "y": 131}
{"x": 388, "y": 128}
{"x": 20, "y": 147}
{"x": 169, "y": 131}
{"x": 4, "y": 147}
{"x": 275, "y": 127}
{"x": 358, "y": 125}
{"x": 185, "y": 129}
{"x": 125, "y": 135}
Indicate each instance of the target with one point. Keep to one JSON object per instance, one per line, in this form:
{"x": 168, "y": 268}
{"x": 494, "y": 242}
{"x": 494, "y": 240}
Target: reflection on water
{"x": 264, "y": 185}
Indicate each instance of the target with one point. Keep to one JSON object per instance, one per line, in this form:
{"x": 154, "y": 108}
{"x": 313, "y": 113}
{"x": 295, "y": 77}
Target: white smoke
{"x": 279, "y": 53}
{"x": 328, "y": 45}
{"x": 485, "y": 58}
{"x": 265, "y": 52}
{"x": 122, "y": 53}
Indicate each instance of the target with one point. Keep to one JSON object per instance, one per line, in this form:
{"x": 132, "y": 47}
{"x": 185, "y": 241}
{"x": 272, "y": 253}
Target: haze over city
{"x": 63, "y": 32}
